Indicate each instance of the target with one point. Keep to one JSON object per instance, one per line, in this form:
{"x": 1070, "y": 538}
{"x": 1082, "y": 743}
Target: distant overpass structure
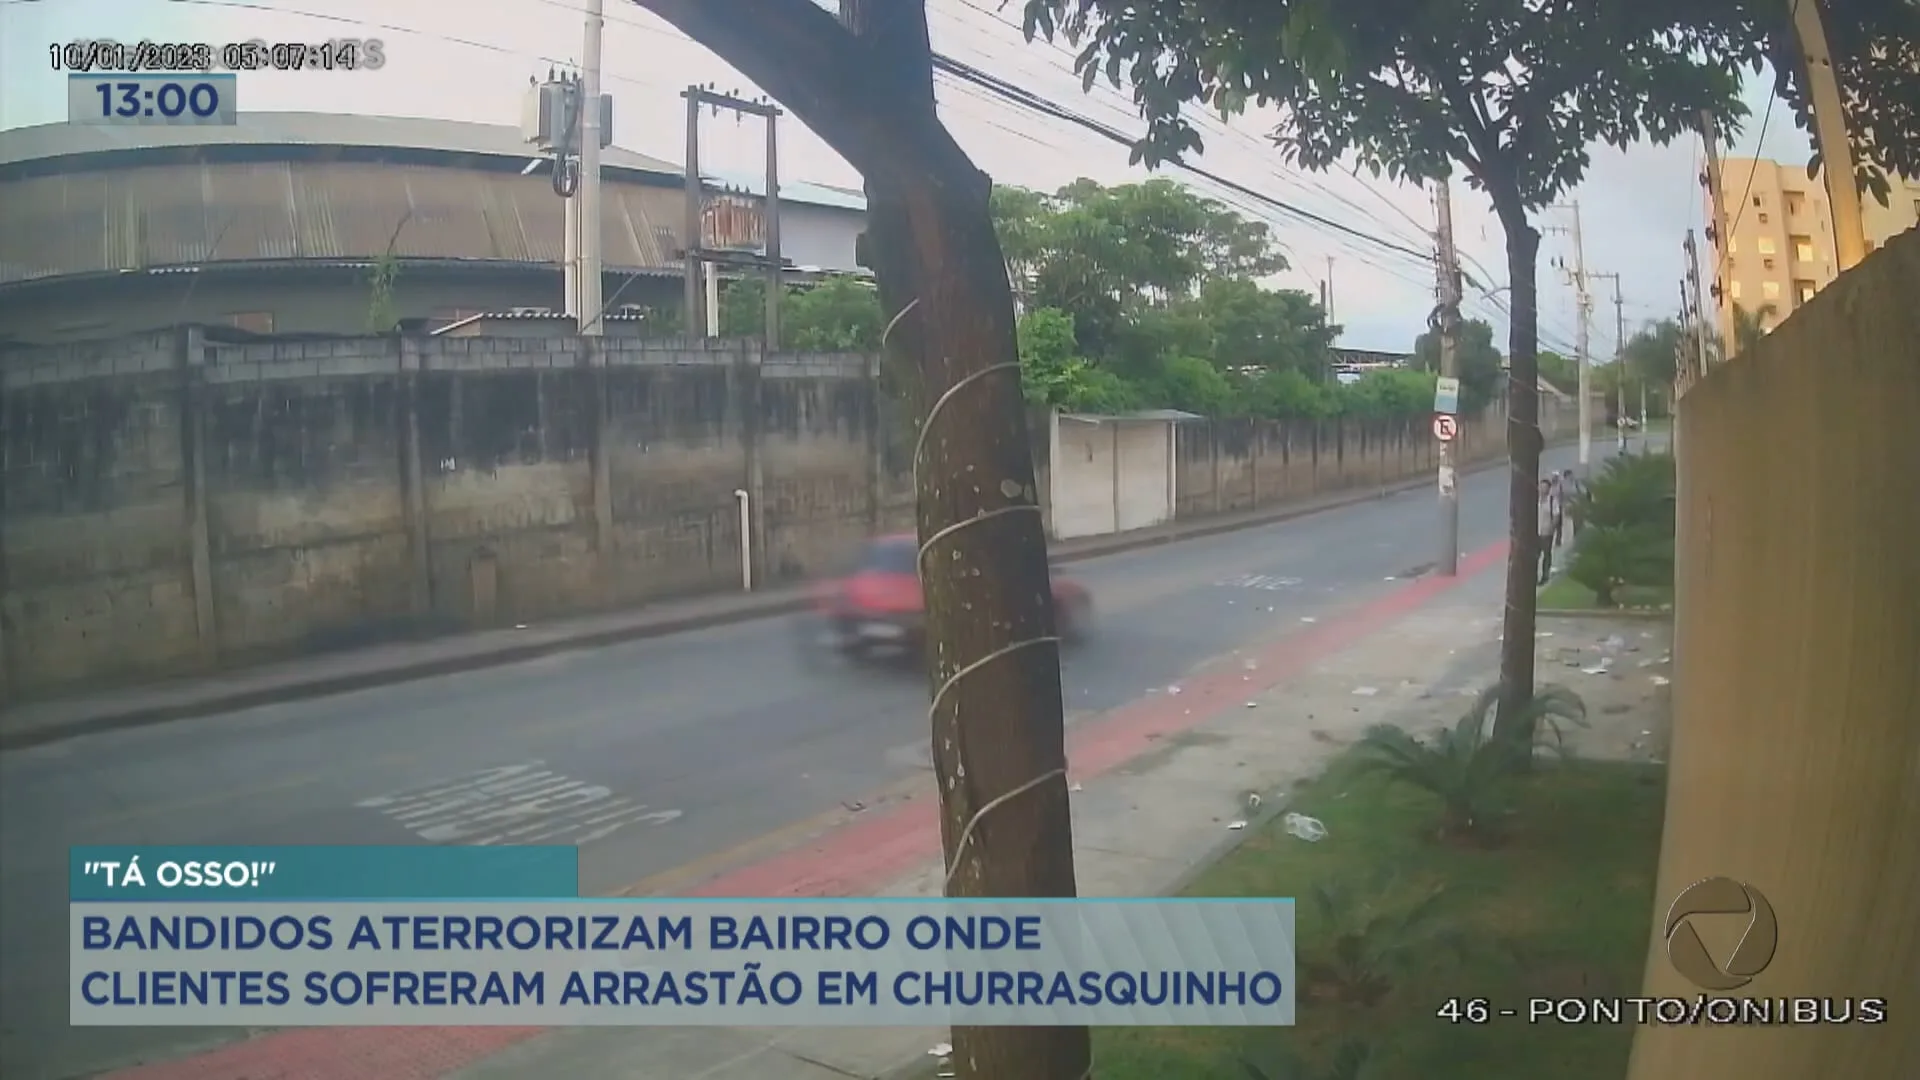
{"x": 1350, "y": 364}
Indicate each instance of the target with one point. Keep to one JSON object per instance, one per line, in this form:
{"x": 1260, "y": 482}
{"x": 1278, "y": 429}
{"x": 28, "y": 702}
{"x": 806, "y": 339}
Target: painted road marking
{"x": 1267, "y": 582}
{"x": 526, "y": 803}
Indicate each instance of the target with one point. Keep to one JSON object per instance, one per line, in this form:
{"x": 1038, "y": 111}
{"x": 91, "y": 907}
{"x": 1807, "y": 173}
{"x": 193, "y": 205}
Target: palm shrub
{"x": 1631, "y": 489}
{"x": 1607, "y": 557}
{"x": 1368, "y": 941}
{"x": 1467, "y": 766}
{"x": 1627, "y": 518}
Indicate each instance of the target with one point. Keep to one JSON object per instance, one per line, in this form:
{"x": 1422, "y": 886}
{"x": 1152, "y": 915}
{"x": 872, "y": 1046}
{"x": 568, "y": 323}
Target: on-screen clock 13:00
{"x": 152, "y": 99}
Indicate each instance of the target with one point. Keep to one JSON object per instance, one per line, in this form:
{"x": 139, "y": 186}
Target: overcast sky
{"x": 472, "y": 61}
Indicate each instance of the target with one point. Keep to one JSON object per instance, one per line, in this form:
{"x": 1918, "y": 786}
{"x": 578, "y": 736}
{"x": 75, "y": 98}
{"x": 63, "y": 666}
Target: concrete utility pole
{"x": 691, "y": 240}
{"x": 1830, "y": 123}
{"x": 1578, "y": 276}
{"x": 1718, "y": 233}
{"x": 590, "y": 322}
{"x": 1619, "y": 358}
{"x": 1696, "y": 310}
{"x": 1326, "y": 291}
{"x": 1448, "y": 317}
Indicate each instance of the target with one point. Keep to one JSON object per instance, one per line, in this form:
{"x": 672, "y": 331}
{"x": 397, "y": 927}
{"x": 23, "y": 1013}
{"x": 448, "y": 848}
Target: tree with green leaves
{"x": 1103, "y": 254}
{"x": 1482, "y": 380}
{"x": 1559, "y": 370}
{"x": 839, "y": 314}
{"x": 1752, "y": 324}
{"x": 864, "y": 84}
{"x": 1512, "y": 93}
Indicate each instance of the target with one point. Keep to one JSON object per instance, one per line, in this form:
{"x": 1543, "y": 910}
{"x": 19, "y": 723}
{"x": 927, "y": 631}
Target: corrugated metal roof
{"x": 268, "y": 129}
{"x": 1161, "y": 416}
{"x": 298, "y": 129}
{"x": 184, "y": 214}
{"x": 800, "y": 191}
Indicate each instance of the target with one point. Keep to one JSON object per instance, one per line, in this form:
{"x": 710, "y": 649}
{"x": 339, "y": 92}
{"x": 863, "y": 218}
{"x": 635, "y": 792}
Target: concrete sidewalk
{"x": 38, "y": 722}
{"x": 1148, "y": 824}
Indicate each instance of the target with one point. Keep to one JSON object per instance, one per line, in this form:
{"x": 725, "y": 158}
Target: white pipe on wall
{"x": 746, "y": 540}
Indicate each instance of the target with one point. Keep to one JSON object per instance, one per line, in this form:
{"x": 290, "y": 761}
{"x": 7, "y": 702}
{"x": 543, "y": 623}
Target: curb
{"x": 1604, "y": 613}
{"x": 327, "y": 686}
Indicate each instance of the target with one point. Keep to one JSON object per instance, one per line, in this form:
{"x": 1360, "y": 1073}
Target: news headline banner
{"x": 639, "y": 963}
{"x": 321, "y": 872}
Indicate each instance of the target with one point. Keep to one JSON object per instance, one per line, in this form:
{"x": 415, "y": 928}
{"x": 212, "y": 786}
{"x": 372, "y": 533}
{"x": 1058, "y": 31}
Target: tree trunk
{"x": 998, "y": 726}
{"x": 998, "y": 745}
{"x": 1524, "y": 444}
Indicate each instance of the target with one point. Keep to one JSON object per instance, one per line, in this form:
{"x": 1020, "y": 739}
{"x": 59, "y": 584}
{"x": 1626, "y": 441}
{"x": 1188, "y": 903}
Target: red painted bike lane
{"x": 858, "y": 859}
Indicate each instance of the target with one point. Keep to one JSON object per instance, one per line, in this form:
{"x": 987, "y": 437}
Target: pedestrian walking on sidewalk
{"x": 1557, "y": 499}
{"x": 1570, "y": 502}
{"x": 1547, "y": 523}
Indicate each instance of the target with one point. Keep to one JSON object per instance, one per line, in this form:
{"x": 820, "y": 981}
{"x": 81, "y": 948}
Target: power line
{"x": 1038, "y": 103}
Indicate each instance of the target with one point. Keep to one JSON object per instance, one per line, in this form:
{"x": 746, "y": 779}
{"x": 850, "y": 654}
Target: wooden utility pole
{"x": 1830, "y": 124}
{"x": 762, "y": 251}
{"x": 1447, "y": 317}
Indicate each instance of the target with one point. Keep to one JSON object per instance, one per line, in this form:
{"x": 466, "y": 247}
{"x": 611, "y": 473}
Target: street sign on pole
{"x": 1446, "y": 395}
{"x": 1445, "y": 427}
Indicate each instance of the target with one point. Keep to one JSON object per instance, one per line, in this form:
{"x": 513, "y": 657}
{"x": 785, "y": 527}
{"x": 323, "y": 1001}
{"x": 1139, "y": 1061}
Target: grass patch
{"x": 1560, "y": 908}
{"x": 1565, "y": 594}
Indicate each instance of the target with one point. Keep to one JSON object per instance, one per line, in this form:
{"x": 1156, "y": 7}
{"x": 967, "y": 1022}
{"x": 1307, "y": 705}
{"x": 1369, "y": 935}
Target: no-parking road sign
{"x": 1445, "y": 427}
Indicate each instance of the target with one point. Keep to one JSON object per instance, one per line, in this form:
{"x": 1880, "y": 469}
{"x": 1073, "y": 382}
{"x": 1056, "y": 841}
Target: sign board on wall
{"x": 1446, "y": 395}
{"x": 732, "y": 222}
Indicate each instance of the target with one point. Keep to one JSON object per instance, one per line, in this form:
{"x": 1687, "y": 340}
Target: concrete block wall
{"x": 1227, "y": 465}
{"x": 173, "y": 504}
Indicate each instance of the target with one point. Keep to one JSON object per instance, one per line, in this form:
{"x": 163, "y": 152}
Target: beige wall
{"x": 1795, "y": 764}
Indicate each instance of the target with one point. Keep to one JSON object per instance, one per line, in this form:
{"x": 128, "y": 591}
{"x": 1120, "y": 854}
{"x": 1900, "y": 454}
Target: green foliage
{"x": 1608, "y": 557}
{"x": 1652, "y": 353}
{"x": 1056, "y": 375}
{"x": 383, "y": 312}
{"x": 1386, "y": 393}
{"x": 1366, "y": 945}
{"x": 1561, "y": 371}
{"x": 839, "y": 314}
{"x": 1752, "y": 324}
{"x": 1468, "y": 766}
{"x": 1631, "y": 489}
{"x": 1627, "y": 526}
{"x": 1481, "y": 377}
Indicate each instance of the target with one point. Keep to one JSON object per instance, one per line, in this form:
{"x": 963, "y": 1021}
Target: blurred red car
{"x": 878, "y": 608}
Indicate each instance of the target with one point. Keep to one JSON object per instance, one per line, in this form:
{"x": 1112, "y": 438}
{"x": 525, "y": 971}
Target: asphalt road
{"x": 648, "y": 755}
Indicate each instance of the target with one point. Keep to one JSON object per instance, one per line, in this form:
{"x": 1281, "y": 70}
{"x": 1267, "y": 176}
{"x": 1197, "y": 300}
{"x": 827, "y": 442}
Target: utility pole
{"x": 588, "y": 317}
{"x": 1696, "y": 312}
{"x": 740, "y": 238}
{"x": 691, "y": 240}
{"x": 1717, "y": 235}
{"x": 1578, "y": 276}
{"x": 1447, "y": 317}
{"x": 570, "y": 246}
{"x": 1830, "y": 123}
{"x": 1619, "y": 358}
{"x": 1326, "y": 292}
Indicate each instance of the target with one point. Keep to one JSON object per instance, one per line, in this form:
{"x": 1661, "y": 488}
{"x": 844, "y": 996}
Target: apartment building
{"x": 1781, "y": 234}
